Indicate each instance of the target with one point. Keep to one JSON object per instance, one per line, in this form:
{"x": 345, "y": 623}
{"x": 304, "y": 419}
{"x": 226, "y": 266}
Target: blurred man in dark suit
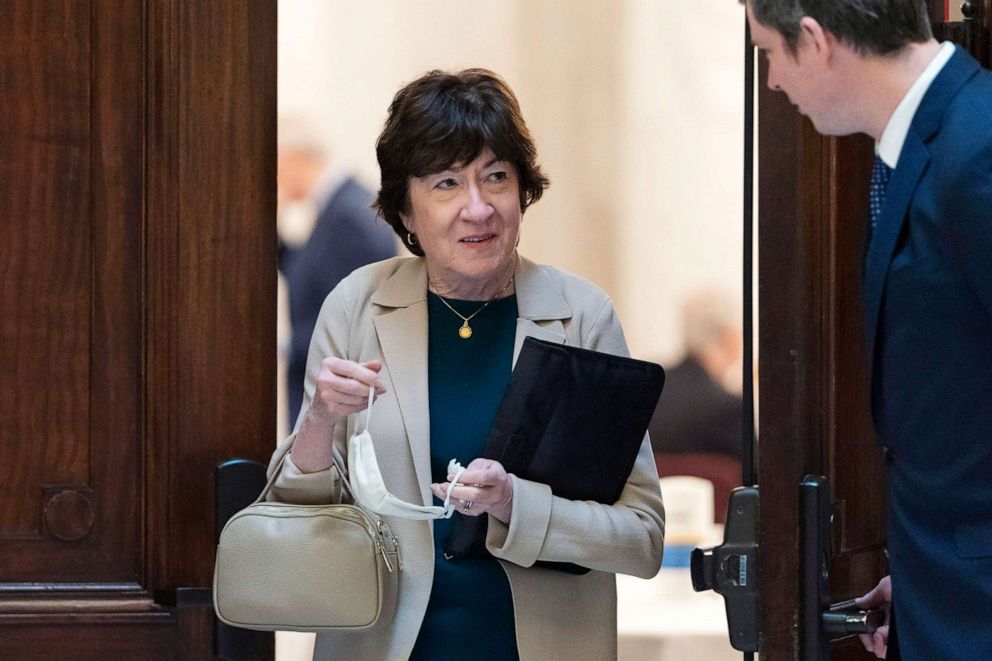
{"x": 327, "y": 229}
{"x": 873, "y": 67}
{"x": 698, "y": 414}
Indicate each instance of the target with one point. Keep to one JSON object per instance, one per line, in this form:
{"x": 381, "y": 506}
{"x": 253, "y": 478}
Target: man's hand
{"x": 879, "y": 596}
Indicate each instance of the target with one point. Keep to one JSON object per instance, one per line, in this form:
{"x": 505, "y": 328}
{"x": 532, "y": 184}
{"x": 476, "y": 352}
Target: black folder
{"x": 573, "y": 419}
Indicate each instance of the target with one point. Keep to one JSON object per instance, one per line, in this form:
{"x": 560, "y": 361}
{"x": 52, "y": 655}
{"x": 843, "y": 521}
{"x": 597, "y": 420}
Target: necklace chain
{"x": 465, "y": 331}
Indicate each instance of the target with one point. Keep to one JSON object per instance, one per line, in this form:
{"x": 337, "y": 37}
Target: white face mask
{"x": 369, "y": 489}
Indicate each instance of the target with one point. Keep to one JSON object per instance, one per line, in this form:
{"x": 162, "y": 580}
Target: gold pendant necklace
{"x": 465, "y": 331}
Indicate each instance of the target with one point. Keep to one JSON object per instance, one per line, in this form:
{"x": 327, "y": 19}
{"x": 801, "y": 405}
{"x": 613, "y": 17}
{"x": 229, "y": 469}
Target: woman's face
{"x": 467, "y": 219}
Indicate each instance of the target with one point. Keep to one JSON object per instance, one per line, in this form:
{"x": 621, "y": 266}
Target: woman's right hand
{"x": 342, "y": 389}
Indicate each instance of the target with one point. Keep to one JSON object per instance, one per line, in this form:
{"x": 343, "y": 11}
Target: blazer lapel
{"x": 541, "y": 308}
{"x": 402, "y": 334}
{"x": 913, "y": 162}
{"x": 550, "y": 331}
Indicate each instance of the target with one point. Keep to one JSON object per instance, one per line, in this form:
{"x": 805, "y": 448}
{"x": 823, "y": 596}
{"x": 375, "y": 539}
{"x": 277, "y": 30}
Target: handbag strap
{"x": 339, "y": 464}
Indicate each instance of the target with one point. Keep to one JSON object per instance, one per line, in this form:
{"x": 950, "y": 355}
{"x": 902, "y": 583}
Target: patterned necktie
{"x": 880, "y": 174}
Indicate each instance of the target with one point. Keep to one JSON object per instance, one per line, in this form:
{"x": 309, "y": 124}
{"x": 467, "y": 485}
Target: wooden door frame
{"x": 201, "y": 124}
{"x": 812, "y": 383}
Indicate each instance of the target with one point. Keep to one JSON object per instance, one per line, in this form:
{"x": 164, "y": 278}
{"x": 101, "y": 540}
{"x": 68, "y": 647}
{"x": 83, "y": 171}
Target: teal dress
{"x": 470, "y": 613}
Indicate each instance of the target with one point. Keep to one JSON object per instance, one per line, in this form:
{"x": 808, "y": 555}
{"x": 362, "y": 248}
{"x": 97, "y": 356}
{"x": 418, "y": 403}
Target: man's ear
{"x": 821, "y": 41}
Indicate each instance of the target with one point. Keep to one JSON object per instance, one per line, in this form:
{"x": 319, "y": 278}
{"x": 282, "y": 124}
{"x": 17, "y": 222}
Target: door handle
{"x": 821, "y": 620}
{"x": 846, "y": 619}
{"x": 731, "y": 569}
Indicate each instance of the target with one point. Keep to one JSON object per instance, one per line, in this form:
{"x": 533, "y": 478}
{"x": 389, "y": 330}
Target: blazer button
{"x": 888, "y": 455}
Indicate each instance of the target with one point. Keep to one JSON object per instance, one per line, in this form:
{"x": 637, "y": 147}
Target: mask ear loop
{"x": 458, "y": 469}
{"x": 339, "y": 461}
{"x": 368, "y": 411}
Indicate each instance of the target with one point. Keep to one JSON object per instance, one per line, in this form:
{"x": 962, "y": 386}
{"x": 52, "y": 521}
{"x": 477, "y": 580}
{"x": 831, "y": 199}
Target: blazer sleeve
{"x": 330, "y": 338}
{"x": 625, "y": 537}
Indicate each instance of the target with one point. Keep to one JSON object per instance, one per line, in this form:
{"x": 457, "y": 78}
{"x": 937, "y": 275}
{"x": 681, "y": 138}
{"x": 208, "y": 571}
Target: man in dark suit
{"x": 698, "y": 414}
{"x": 872, "y": 66}
{"x": 341, "y": 234}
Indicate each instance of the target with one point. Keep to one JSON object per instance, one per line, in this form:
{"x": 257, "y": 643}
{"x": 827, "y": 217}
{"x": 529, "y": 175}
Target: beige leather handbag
{"x": 306, "y": 567}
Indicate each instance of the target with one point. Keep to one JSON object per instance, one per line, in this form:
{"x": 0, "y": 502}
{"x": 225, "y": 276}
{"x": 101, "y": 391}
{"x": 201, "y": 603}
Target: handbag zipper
{"x": 399, "y": 555}
{"x": 384, "y": 531}
{"x": 385, "y": 558}
{"x": 376, "y": 537}
{"x": 379, "y": 537}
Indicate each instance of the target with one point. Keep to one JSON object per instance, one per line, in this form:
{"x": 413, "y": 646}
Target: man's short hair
{"x": 870, "y": 27}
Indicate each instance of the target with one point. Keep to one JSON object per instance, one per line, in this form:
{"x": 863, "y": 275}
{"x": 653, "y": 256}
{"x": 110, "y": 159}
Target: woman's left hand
{"x": 484, "y": 487}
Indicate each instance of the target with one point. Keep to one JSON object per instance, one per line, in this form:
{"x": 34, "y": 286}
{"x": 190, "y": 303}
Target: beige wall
{"x": 635, "y": 106}
{"x": 682, "y": 130}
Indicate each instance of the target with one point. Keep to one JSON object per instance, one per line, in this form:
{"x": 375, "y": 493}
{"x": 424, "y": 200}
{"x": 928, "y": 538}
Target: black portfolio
{"x": 573, "y": 419}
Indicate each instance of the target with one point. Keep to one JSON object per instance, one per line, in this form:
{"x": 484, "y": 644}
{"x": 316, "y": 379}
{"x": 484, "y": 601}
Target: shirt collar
{"x": 890, "y": 146}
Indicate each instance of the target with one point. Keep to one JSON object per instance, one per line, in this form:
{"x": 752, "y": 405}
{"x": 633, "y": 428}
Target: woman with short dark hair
{"x": 435, "y": 336}
{"x": 443, "y": 118}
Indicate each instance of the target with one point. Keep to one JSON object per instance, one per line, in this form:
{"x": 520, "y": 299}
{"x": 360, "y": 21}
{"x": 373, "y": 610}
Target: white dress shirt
{"x": 890, "y": 146}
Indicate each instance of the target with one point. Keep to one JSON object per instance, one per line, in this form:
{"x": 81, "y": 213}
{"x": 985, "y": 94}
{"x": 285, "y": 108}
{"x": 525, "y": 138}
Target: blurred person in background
{"x": 327, "y": 229}
{"x": 699, "y": 413}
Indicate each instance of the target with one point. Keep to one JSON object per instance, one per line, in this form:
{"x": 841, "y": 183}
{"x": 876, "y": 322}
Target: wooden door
{"x": 813, "y": 405}
{"x": 137, "y": 300}
{"x": 813, "y": 384}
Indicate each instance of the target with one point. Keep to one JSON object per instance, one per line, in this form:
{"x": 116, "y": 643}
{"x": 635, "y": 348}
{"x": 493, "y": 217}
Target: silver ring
{"x": 467, "y": 505}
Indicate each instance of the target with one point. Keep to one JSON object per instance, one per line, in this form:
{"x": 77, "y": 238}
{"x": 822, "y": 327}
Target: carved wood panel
{"x": 137, "y": 312}
{"x": 70, "y": 181}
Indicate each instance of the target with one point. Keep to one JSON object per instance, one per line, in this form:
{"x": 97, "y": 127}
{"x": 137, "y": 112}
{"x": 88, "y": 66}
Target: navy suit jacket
{"x": 697, "y": 414}
{"x": 928, "y": 307}
{"x": 347, "y": 235}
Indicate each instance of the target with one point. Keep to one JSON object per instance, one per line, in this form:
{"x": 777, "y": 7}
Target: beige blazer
{"x": 380, "y": 312}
